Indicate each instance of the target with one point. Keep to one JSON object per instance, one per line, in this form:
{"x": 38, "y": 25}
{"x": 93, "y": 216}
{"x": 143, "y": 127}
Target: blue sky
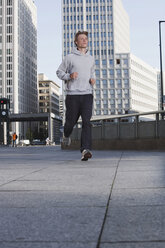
{"x": 144, "y": 32}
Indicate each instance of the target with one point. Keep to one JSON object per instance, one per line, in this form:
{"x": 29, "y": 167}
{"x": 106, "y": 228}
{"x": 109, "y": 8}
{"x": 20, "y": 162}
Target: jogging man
{"x": 78, "y": 71}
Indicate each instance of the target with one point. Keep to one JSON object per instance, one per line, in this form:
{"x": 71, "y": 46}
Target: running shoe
{"x": 86, "y": 154}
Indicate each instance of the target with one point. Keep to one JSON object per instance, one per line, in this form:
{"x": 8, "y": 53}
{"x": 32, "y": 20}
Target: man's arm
{"x": 93, "y": 78}
{"x": 62, "y": 71}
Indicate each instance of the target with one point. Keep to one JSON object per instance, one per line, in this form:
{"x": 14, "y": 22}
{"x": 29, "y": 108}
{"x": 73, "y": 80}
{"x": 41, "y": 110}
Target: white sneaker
{"x": 86, "y": 154}
{"x": 66, "y": 141}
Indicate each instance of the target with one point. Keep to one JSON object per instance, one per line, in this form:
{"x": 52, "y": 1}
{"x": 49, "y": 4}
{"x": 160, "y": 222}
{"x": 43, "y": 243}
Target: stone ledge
{"x": 129, "y": 144}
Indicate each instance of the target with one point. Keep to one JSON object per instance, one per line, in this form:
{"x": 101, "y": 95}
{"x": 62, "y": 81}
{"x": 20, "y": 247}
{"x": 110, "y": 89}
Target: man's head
{"x": 81, "y": 39}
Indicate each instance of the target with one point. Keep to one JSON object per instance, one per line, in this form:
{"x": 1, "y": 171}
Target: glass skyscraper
{"x": 18, "y": 54}
{"x": 18, "y": 57}
{"x": 108, "y": 26}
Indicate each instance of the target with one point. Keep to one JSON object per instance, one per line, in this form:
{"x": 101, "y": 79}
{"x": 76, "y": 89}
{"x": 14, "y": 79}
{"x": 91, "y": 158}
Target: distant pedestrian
{"x": 14, "y": 138}
{"x": 78, "y": 71}
{"x": 47, "y": 141}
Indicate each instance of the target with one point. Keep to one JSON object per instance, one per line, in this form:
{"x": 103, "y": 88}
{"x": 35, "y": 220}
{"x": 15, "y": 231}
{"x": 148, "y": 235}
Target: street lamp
{"x": 161, "y": 67}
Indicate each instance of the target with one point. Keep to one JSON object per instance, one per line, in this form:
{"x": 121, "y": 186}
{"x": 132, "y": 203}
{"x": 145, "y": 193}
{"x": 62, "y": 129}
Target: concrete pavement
{"x": 50, "y": 199}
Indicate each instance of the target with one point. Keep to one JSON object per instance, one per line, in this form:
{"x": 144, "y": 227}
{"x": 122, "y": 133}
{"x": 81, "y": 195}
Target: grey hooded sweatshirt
{"x": 84, "y": 65}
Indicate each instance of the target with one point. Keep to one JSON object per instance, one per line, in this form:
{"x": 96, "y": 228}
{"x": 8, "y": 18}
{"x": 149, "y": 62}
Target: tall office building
{"x": 137, "y": 85}
{"x": 106, "y": 21}
{"x": 49, "y": 103}
{"x": 108, "y": 25}
{"x": 18, "y": 54}
{"x": 48, "y": 95}
{"x": 124, "y": 83}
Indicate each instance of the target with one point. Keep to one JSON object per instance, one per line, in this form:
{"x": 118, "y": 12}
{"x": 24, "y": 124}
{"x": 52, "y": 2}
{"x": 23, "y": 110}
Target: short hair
{"x": 78, "y": 33}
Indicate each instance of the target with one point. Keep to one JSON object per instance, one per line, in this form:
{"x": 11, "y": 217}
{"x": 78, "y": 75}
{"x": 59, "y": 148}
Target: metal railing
{"x": 135, "y": 127}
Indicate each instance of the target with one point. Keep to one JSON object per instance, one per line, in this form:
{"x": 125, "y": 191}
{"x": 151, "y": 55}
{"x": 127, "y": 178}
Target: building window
{"x": 97, "y": 83}
{"x": 105, "y": 112}
{"x": 97, "y": 73}
{"x": 118, "y": 72}
{"x": 119, "y": 92}
{"x": 9, "y": 20}
{"x": 9, "y": 59}
{"x": 119, "y": 82}
{"x": 9, "y": 29}
{"x": 97, "y": 62}
{"x": 105, "y": 102}
{"x": 9, "y": 66}
{"x": 9, "y": 74}
{"x": 9, "y": 11}
{"x": 126, "y": 81}
{"x": 118, "y": 61}
{"x": 98, "y": 103}
{"x": 125, "y": 72}
{"x": 98, "y": 112}
{"x": 9, "y": 82}
{"x": 125, "y": 61}
{"x": 111, "y": 72}
{"x": 112, "y": 92}
{"x": 97, "y": 93}
{"x": 119, "y": 102}
{"x": 111, "y": 62}
{"x": 105, "y": 93}
{"x": 112, "y": 82}
{"x": 9, "y": 90}
{"x": 104, "y": 62}
{"x": 126, "y": 91}
{"x": 104, "y": 72}
{"x": 9, "y": 51}
{"x": 9, "y": 2}
{"x": 104, "y": 83}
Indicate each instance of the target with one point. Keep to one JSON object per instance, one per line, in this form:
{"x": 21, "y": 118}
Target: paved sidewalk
{"x": 50, "y": 199}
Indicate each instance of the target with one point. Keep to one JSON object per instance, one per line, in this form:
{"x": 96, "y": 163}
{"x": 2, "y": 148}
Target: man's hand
{"x": 92, "y": 81}
{"x": 74, "y": 75}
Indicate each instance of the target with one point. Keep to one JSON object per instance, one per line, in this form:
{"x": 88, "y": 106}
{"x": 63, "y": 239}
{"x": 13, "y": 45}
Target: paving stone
{"x": 35, "y": 199}
{"x": 143, "y": 155}
{"x": 51, "y": 186}
{"x": 134, "y": 245}
{"x": 66, "y": 179}
{"x": 138, "y": 197}
{"x": 141, "y": 165}
{"x": 48, "y": 245}
{"x": 51, "y": 224}
{"x": 140, "y": 179}
{"x": 132, "y": 224}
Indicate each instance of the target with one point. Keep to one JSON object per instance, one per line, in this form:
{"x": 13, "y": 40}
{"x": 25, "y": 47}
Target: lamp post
{"x": 161, "y": 67}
